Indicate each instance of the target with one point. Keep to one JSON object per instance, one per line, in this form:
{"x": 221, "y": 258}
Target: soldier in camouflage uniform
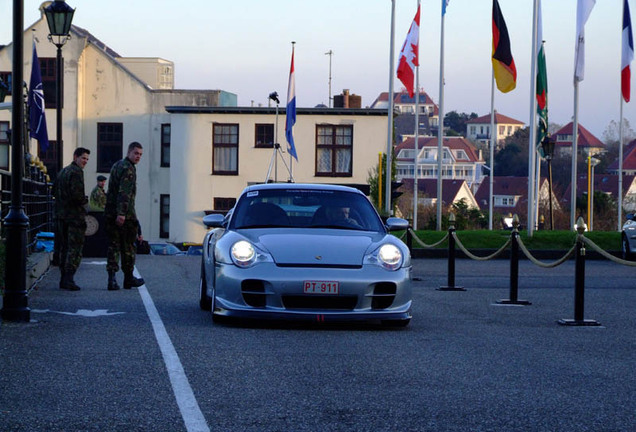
{"x": 121, "y": 219}
{"x": 70, "y": 209}
{"x": 97, "y": 201}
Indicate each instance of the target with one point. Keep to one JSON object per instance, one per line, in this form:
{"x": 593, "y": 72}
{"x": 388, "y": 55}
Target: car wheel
{"x": 625, "y": 249}
{"x": 396, "y": 323}
{"x": 205, "y": 302}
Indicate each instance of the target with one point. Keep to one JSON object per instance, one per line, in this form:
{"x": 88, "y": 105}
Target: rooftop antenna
{"x": 329, "y": 53}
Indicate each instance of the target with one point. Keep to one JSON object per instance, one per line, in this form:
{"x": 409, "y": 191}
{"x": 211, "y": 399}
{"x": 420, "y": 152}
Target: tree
{"x": 512, "y": 159}
{"x": 456, "y": 122}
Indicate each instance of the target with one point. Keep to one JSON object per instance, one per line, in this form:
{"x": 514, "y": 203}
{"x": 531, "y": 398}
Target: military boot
{"x": 67, "y": 282}
{"x": 131, "y": 281}
{"x": 112, "y": 281}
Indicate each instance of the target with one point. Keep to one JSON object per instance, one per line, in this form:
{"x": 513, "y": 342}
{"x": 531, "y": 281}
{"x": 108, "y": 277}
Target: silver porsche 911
{"x": 305, "y": 252}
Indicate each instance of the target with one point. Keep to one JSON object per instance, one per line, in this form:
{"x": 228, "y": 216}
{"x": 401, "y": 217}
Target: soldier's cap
{"x": 101, "y": 178}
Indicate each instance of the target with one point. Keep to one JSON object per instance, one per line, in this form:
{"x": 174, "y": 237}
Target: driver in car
{"x": 340, "y": 216}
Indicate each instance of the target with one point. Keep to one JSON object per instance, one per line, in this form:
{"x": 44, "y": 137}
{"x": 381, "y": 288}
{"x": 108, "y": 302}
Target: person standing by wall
{"x": 71, "y": 216}
{"x": 121, "y": 219}
{"x": 97, "y": 201}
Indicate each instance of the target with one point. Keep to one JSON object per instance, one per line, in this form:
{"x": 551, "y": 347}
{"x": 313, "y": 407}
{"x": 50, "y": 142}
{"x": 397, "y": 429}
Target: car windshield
{"x": 308, "y": 208}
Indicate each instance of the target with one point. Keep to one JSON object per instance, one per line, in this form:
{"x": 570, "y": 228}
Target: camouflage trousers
{"x": 121, "y": 244}
{"x": 71, "y": 242}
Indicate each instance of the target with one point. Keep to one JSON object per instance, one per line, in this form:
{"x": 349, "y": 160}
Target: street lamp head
{"x": 548, "y": 147}
{"x": 59, "y": 16}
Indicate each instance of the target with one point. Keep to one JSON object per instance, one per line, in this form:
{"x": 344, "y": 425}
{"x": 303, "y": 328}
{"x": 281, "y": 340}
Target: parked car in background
{"x": 164, "y": 248}
{"x": 628, "y": 238}
{"x": 305, "y": 252}
{"x": 194, "y": 250}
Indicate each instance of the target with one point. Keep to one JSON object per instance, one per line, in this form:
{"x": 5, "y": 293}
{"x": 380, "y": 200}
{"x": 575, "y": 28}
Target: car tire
{"x": 396, "y": 323}
{"x": 205, "y": 302}
{"x": 627, "y": 255}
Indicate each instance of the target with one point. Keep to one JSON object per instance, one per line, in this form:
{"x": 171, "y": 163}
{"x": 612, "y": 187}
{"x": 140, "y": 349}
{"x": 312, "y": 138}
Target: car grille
{"x": 319, "y": 302}
{"x": 336, "y": 266}
{"x": 383, "y": 295}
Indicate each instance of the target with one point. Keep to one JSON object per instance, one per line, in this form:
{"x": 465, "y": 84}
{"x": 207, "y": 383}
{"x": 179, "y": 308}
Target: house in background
{"x": 461, "y": 160}
{"x": 453, "y": 191}
{"x": 478, "y": 129}
{"x": 607, "y": 184}
{"x": 510, "y": 196}
{"x": 588, "y": 144}
{"x": 404, "y": 106}
{"x": 629, "y": 161}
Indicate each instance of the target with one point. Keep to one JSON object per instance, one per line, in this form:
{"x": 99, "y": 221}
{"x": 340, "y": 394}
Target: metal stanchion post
{"x": 451, "y": 258}
{"x": 514, "y": 267}
{"x": 409, "y": 240}
{"x": 579, "y": 283}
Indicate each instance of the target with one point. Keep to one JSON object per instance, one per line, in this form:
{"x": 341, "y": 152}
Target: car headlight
{"x": 389, "y": 257}
{"x": 243, "y": 253}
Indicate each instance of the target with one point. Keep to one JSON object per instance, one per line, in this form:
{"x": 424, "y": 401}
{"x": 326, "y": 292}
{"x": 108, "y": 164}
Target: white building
{"x": 478, "y": 129}
{"x": 219, "y": 151}
{"x": 461, "y": 160}
{"x": 110, "y": 101}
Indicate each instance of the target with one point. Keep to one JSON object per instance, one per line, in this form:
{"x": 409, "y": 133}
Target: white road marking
{"x": 188, "y": 405}
{"x": 81, "y": 312}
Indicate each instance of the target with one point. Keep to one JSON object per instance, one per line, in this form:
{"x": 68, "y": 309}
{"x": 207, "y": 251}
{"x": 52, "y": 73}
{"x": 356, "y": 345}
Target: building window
{"x": 334, "y": 150}
{"x": 164, "y": 216}
{"x": 224, "y": 204}
{"x": 4, "y": 145}
{"x": 264, "y": 135}
{"x": 109, "y": 145}
{"x": 225, "y": 149}
{"x": 502, "y": 130}
{"x": 48, "y": 69}
{"x": 6, "y": 78}
{"x": 165, "y": 145}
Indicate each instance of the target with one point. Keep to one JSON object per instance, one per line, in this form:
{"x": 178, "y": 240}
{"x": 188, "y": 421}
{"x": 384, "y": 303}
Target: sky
{"x": 244, "y": 47}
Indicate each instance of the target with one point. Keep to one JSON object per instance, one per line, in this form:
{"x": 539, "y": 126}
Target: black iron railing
{"x": 37, "y": 196}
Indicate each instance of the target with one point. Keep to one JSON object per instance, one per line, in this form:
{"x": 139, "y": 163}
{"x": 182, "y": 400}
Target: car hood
{"x": 319, "y": 247}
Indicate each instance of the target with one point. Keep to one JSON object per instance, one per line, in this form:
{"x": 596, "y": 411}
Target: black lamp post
{"x": 15, "y": 301}
{"x": 548, "y": 151}
{"x": 59, "y": 16}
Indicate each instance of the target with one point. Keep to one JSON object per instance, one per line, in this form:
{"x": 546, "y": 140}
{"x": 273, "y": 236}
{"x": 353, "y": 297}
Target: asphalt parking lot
{"x": 96, "y": 360}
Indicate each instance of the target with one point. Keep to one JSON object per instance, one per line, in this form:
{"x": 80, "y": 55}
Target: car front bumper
{"x": 269, "y": 291}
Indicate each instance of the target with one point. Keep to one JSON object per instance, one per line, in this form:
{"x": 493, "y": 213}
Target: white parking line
{"x": 188, "y": 405}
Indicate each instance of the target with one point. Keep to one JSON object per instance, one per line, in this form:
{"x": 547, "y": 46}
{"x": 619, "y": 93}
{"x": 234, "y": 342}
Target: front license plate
{"x": 321, "y": 287}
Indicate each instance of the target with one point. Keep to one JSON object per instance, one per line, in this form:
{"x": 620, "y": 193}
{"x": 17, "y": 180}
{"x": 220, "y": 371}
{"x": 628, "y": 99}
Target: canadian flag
{"x": 409, "y": 55}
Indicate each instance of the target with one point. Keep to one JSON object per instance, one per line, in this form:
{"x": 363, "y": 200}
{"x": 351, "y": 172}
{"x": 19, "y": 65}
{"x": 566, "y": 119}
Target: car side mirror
{"x": 214, "y": 220}
{"x": 396, "y": 224}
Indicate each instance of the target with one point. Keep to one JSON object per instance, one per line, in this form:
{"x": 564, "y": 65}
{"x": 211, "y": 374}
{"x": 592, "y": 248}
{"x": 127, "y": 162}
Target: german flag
{"x": 502, "y": 62}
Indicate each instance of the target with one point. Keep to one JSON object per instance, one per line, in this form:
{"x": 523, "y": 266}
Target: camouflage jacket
{"x": 70, "y": 200}
{"x": 122, "y": 188}
{"x": 97, "y": 201}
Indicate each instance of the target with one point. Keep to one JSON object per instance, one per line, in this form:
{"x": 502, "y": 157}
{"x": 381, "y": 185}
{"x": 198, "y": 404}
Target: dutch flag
{"x": 290, "y": 112}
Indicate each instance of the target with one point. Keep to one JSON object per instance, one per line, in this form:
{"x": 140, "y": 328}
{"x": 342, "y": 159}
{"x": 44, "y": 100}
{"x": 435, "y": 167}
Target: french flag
{"x": 290, "y": 111}
{"x": 628, "y": 52}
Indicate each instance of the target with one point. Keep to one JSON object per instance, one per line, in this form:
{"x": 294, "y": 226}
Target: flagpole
{"x": 417, "y": 132}
{"x": 492, "y": 150}
{"x": 389, "y": 141}
{"x": 620, "y": 169}
{"x": 440, "y": 128}
{"x": 416, "y": 145}
{"x": 575, "y": 144}
{"x": 532, "y": 147}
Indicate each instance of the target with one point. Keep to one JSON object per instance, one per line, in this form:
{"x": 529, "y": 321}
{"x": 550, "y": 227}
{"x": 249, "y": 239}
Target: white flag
{"x": 583, "y": 11}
